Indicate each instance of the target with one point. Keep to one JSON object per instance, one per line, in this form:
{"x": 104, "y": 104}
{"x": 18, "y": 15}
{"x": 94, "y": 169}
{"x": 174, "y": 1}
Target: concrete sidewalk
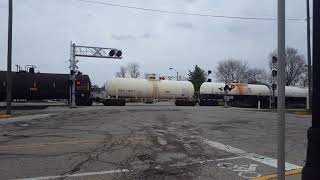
{"x": 290, "y": 175}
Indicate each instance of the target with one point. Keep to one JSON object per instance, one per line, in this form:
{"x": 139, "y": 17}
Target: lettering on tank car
{"x": 126, "y": 91}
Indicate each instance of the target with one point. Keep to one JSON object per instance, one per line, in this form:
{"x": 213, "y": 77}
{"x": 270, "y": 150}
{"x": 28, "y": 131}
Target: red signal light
{"x": 78, "y": 82}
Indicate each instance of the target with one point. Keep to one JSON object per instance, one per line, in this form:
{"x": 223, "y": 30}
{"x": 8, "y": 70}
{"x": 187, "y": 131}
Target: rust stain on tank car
{"x": 240, "y": 89}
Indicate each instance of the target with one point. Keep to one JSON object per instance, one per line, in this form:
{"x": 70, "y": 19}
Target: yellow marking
{"x": 273, "y": 176}
{"x": 3, "y": 116}
{"x": 34, "y": 89}
{"x": 300, "y": 113}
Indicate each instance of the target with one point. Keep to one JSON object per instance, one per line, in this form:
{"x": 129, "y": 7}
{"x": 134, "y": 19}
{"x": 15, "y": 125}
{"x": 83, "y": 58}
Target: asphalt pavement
{"x": 146, "y": 142}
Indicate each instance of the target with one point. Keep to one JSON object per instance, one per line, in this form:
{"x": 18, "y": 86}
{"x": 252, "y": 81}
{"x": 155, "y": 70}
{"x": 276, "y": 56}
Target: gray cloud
{"x": 190, "y": 1}
{"x": 186, "y": 25}
{"x": 130, "y": 37}
{"x": 123, "y": 37}
{"x": 156, "y": 41}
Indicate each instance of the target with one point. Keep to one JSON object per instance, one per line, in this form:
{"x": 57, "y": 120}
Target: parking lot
{"x": 146, "y": 142}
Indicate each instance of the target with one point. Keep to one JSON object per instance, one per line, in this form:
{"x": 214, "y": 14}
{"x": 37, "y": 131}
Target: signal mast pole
{"x": 9, "y": 60}
{"x": 86, "y": 51}
{"x": 73, "y": 68}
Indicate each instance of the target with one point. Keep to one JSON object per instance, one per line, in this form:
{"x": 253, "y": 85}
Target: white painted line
{"x": 255, "y": 157}
{"x": 77, "y": 175}
{"x": 121, "y": 170}
{"x": 206, "y": 161}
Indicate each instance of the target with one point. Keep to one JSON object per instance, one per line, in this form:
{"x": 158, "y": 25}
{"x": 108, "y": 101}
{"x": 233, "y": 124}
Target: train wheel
{"x": 89, "y": 102}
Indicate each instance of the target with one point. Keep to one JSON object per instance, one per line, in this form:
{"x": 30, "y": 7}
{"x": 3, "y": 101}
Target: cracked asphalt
{"x": 144, "y": 142}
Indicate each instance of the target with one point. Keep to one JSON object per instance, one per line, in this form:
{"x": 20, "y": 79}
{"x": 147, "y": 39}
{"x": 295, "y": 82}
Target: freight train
{"x": 241, "y": 95}
{"x": 120, "y": 89}
{"x": 248, "y": 95}
{"x": 27, "y": 85}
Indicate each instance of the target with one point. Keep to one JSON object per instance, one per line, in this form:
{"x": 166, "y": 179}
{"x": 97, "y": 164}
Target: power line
{"x": 187, "y": 13}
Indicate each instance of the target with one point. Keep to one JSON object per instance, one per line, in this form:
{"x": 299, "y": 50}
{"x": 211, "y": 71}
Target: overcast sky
{"x": 43, "y": 29}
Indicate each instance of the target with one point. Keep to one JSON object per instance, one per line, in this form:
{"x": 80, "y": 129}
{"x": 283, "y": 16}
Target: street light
{"x": 176, "y": 72}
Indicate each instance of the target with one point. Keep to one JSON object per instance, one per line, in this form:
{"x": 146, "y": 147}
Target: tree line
{"x": 233, "y": 69}
{"x": 132, "y": 70}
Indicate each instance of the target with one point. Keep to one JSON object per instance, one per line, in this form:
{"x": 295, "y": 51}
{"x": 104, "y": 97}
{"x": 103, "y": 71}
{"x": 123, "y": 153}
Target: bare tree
{"x": 256, "y": 76}
{"x": 231, "y": 69}
{"x": 122, "y": 73}
{"x": 295, "y": 65}
{"x": 133, "y": 70}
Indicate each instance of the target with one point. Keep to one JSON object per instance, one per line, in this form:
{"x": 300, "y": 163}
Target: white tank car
{"x": 295, "y": 92}
{"x": 250, "y": 89}
{"x": 208, "y": 88}
{"x": 249, "y": 94}
{"x": 146, "y": 88}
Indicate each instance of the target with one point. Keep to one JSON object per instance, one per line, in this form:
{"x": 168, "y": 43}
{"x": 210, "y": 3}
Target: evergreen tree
{"x": 197, "y": 77}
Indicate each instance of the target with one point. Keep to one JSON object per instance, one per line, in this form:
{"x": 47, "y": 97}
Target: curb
{"x": 272, "y": 176}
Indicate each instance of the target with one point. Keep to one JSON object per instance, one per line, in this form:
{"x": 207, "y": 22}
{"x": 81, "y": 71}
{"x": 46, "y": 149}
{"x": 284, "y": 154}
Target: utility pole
{"x": 312, "y": 166}
{"x": 281, "y": 88}
{"x": 9, "y": 59}
{"x": 309, "y": 57}
{"x": 176, "y": 72}
{"x": 73, "y": 68}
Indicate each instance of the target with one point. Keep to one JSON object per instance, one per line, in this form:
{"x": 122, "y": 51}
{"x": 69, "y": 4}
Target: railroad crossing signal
{"x": 97, "y": 52}
{"x": 274, "y": 74}
{"x": 87, "y": 51}
{"x": 274, "y": 60}
{"x": 73, "y": 64}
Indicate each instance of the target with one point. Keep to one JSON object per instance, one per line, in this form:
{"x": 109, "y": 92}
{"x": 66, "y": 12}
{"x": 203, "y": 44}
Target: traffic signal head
{"x": 274, "y": 86}
{"x": 112, "y": 52}
{"x": 119, "y": 53}
{"x": 274, "y": 59}
{"x": 209, "y": 80}
{"x": 274, "y": 73}
{"x": 209, "y": 71}
{"x": 78, "y": 82}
